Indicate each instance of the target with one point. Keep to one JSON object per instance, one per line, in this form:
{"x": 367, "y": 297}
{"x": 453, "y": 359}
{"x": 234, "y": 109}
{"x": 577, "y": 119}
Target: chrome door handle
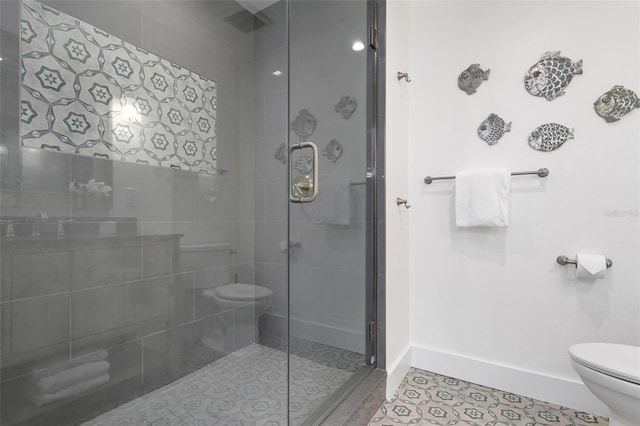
{"x": 303, "y": 184}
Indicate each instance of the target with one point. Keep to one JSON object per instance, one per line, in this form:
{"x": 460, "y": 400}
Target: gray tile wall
{"x": 329, "y": 270}
{"x": 140, "y": 297}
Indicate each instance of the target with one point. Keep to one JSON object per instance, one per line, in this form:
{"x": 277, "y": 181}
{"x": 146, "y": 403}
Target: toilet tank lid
{"x": 621, "y": 361}
{"x": 240, "y": 292}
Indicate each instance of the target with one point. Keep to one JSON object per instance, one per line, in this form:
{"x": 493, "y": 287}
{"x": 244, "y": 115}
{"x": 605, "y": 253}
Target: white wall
{"x": 495, "y": 299}
{"x": 397, "y": 185}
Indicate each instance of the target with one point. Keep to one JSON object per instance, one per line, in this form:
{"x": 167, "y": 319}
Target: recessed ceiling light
{"x": 277, "y": 72}
{"x": 358, "y": 46}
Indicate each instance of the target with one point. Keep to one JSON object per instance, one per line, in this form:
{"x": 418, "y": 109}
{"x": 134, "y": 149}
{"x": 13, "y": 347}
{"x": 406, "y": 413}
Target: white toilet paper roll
{"x": 590, "y": 265}
{"x": 284, "y": 246}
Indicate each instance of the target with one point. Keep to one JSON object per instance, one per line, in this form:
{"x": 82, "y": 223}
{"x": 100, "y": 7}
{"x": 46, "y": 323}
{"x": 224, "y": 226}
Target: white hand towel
{"x": 41, "y": 399}
{"x": 71, "y": 376}
{"x": 333, "y": 205}
{"x": 66, "y": 365}
{"x": 482, "y": 197}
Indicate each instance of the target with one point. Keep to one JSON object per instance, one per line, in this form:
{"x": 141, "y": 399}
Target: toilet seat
{"x": 619, "y": 361}
{"x": 239, "y": 292}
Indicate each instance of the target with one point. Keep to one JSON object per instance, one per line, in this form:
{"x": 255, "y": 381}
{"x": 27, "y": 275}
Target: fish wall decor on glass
{"x": 493, "y": 128}
{"x": 333, "y": 150}
{"x": 89, "y": 93}
{"x": 616, "y": 103}
{"x": 470, "y": 79}
{"x": 304, "y": 125}
{"x": 281, "y": 153}
{"x": 346, "y": 107}
{"x": 304, "y": 165}
{"x": 549, "y": 76}
{"x": 549, "y": 137}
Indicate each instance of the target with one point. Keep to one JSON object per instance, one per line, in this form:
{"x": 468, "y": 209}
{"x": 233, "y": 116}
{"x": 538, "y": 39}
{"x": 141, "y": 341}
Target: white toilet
{"x": 249, "y": 302}
{"x": 612, "y": 373}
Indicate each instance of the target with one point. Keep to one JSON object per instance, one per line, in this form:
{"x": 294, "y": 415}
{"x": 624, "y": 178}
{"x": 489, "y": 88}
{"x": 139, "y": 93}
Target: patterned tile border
{"x": 426, "y": 398}
{"x": 89, "y": 93}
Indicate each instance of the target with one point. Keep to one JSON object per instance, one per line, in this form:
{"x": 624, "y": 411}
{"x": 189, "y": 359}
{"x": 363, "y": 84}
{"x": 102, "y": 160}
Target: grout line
{"x": 194, "y": 295}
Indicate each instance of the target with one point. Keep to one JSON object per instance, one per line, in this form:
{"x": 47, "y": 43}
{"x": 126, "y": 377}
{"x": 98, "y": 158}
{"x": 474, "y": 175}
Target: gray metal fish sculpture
{"x": 346, "y": 107}
{"x": 551, "y": 75}
{"x": 492, "y": 129}
{"x": 304, "y": 165}
{"x": 549, "y": 136}
{"x": 304, "y": 125}
{"x": 471, "y": 78}
{"x": 281, "y": 153}
{"x": 333, "y": 150}
{"x": 616, "y": 103}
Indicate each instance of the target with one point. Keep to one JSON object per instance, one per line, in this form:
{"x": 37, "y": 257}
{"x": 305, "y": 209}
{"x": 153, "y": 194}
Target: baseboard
{"x": 396, "y": 372}
{"x": 560, "y": 391}
{"x": 341, "y": 338}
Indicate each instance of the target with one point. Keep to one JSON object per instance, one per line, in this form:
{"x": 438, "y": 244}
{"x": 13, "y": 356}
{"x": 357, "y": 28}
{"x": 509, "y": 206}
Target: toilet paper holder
{"x": 563, "y": 260}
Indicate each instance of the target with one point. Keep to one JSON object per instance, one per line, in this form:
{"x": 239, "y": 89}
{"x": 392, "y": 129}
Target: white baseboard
{"x": 342, "y": 338}
{"x": 560, "y": 391}
{"x": 396, "y": 372}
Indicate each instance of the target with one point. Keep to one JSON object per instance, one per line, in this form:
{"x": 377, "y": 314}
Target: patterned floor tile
{"x": 246, "y": 387}
{"x": 426, "y": 398}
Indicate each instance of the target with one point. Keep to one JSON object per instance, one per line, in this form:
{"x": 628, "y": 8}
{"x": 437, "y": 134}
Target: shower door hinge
{"x": 371, "y": 333}
{"x": 373, "y": 36}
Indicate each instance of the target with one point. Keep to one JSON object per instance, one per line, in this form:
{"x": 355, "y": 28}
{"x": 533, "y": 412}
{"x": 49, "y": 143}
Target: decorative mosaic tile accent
{"x": 428, "y": 398}
{"x": 247, "y": 387}
{"x": 87, "y": 92}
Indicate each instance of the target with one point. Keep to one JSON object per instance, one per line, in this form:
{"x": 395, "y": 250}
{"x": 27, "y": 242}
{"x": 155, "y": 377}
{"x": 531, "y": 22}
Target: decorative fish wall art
{"x": 616, "y": 103}
{"x": 551, "y": 75}
{"x": 549, "y": 137}
{"x": 333, "y": 150}
{"x": 471, "y": 78}
{"x": 346, "y": 107}
{"x": 281, "y": 153}
{"x": 493, "y": 128}
{"x": 304, "y": 125}
{"x": 304, "y": 165}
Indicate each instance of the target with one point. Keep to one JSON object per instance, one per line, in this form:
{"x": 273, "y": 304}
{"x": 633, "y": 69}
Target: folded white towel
{"x": 64, "y": 366}
{"x": 333, "y": 205}
{"x": 71, "y": 376}
{"x": 41, "y": 399}
{"x": 482, "y": 197}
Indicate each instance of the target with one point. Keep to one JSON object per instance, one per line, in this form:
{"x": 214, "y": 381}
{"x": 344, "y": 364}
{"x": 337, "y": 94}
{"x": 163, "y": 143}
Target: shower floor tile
{"x": 314, "y": 351}
{"x": 246, "y": 387}
{"x": 426, "y": 398}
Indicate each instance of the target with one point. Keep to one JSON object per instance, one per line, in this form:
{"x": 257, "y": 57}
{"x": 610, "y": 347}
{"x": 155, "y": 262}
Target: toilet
{"x": 612, "y": 373}
{"x": 249, "y": 303}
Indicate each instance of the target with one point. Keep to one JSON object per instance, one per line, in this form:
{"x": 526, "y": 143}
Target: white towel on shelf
{"x": 66, "y": 365}
{"x": 482, "y": 197}
{"x": 71, "y": 376}
{"x": 42, "y": 399}
{"x": 333, "y": 205}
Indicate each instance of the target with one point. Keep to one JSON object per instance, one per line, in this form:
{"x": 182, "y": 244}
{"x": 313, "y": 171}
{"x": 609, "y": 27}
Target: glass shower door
{"x": 330, "y": 204}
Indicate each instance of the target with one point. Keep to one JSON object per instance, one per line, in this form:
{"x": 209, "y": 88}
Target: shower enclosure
{"x": 187, "y": 210}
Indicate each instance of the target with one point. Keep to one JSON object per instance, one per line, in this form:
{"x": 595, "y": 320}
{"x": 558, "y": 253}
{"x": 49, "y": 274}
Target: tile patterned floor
{"x": 431, "y": 399}
{"x": 246, "y": 387}
{"x": 314, "y": 351}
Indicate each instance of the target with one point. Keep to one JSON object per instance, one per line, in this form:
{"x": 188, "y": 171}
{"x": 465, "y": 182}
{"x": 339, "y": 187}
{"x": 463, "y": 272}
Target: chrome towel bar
{"x": 564, "y": 260}
{"x": 540, "y": 172}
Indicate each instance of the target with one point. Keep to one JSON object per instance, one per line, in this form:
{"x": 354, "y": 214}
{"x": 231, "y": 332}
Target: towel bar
{"x": 540, "y": 172}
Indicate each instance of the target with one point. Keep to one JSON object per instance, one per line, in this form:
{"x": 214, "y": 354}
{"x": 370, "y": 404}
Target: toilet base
{"x": 621, "y": 397}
